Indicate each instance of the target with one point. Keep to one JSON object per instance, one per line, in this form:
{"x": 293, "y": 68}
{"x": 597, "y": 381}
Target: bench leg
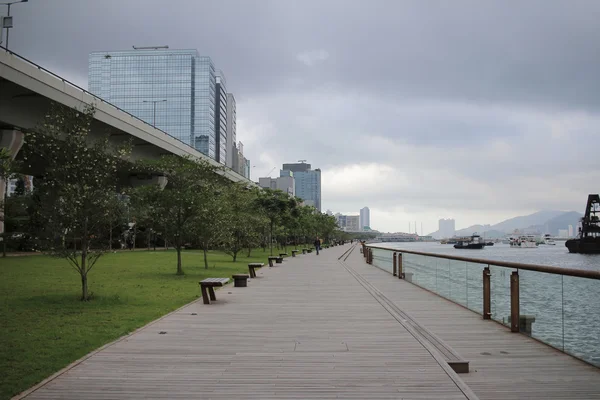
{"x": 251, "y": 272}
{"x": 211, "y": 292}
{"x": 205, "y": 298}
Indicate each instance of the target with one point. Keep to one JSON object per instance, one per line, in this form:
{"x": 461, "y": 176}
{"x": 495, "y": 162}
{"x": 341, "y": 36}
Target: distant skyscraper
{"x": 173, "y": 90}
{"x": 220, "y": 119}
{"x": 352, "y": 223}
{"x": 446, "y": 228}
{"x": 365, "y": 218}
{"x": 284, "y": 183}
{"x": 308, "y": 183}
{"x": 231, "y": 129}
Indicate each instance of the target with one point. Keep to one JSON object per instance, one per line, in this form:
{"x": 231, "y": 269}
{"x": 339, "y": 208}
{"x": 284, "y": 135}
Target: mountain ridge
{"x": 545, "y": 221}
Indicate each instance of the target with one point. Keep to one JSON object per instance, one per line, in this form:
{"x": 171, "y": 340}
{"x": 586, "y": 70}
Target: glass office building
{"x": 221, "y": 119}
{"x": 173, "y": 90}
{"x": 308, "y": 182}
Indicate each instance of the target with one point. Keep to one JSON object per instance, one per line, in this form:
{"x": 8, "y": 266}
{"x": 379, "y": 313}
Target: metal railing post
{"x": 514, "y": 301}
{"x": 400, "y": 273}
{"x": 487, "y": 300}
{"x": 394, "y": 263}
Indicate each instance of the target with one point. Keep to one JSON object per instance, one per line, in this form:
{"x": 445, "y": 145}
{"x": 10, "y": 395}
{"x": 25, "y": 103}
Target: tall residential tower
{"x": 365, "y": 218}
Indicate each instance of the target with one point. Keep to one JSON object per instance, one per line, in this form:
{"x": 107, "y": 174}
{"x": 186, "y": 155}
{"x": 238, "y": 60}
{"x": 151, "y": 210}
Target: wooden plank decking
{"x": 503, "y": 364}
{"x": 308, "y": 329}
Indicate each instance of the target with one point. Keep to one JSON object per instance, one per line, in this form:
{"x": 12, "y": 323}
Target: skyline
{"x": 469, "y": 112}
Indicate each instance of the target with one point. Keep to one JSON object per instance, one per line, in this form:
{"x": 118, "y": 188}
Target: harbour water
{"x": 555, "y": 256}
{"x": 562, "y": 311}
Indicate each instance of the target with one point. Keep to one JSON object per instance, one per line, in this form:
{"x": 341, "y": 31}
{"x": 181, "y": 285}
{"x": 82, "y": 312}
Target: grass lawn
{"x": 44, "y": 326}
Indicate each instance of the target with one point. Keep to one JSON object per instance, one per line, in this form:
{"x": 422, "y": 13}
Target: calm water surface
{"x": 565, "y": 310}
{"x": 556, "y": 256}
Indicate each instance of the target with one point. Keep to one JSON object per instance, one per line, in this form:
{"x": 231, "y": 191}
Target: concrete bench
{"x": 294, "y": 253}
{"x": 240, "y": 280}
{"x": 271, "y": 259}
{"x": 210, "y": 284}
{"x": 309, "y": 251}
{"x": 304, "y": 251}
{"x": 283, "y": 254}
{"x": 252, "y": 268}
{"x": 279, "y": 260}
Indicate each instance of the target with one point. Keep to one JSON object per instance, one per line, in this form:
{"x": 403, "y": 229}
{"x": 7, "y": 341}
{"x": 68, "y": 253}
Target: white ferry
{"x": 524, "y": 242}
{"x": 547, "y": 240}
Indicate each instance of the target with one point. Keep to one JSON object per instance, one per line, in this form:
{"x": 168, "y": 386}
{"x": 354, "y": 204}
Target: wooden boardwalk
{"x": 503, "y": 364}
{"x": 309, "y": 329}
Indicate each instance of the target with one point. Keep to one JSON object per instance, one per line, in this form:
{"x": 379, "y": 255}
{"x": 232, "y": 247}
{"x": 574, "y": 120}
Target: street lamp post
{"x": 154, "y": 112}
{"x": 8, "y": 15}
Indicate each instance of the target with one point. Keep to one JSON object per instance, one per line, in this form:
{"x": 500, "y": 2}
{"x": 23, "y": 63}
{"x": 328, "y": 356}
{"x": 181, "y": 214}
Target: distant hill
{"x": 547, "y": 221}
{"x": 562, "y": 222}
{"x": 525, "y": 221}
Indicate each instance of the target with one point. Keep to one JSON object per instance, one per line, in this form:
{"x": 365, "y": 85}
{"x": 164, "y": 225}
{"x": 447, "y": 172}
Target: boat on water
{"x": 524, "y": 242}
{"x": 489, "y": 243}
{"x": 506, "y": 241}
{"x": 547, "y": 240}
{"x": 473, "y": 243}
{"x": 588, "y": 240}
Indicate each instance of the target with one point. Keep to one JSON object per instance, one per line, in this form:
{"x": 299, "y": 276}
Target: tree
{"x": 74, "y": 196}
{"x": 242, "y": 222}
{"x": 184, "y": 202}
{"x": 274, "y": 204}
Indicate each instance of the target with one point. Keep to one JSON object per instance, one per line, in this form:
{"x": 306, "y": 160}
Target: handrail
{"x": 102, "y": 100}
{"x": 581, "y": 273}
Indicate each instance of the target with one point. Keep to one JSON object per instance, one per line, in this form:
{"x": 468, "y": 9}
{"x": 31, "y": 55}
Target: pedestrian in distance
{"x": 317, "y": 245}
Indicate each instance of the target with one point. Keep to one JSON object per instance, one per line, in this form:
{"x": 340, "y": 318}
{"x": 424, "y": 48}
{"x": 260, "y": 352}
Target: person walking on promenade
{"x": 317, "y": 245}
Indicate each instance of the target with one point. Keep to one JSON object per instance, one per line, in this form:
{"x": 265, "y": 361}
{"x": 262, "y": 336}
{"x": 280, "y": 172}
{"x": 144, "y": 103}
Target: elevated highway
{"x": 27, "y": 89}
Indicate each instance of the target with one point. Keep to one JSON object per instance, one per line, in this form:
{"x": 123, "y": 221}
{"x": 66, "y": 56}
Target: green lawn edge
{"x": 45, "y": 327}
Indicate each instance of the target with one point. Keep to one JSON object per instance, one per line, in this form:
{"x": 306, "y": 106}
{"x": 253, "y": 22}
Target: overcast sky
{"x": 421, "y": 110}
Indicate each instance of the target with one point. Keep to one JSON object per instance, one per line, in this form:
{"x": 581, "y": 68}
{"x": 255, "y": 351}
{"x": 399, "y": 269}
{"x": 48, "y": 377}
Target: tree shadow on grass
{"x": 71, "y": 300}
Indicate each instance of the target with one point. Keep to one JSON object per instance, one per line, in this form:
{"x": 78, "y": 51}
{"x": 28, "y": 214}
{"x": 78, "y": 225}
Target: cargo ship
{"x": 588, "y": 240}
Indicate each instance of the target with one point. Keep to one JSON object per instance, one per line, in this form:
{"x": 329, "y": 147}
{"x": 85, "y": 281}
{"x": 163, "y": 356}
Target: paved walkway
{"x": 308, "y": 329}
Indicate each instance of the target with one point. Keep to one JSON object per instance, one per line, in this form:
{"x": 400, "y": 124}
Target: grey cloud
{"x": 502, "y": 99}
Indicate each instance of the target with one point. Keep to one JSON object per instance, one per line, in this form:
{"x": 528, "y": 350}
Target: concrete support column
{"x": 13, "y": 141}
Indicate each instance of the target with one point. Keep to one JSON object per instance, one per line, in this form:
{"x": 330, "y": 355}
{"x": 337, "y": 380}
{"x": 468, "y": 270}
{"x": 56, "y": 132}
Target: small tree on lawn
{"x": 243, "y": 221}
{"x": 274, "y": 204}
{"x": 75, "y": 194}
{"x": 178, "y": 207}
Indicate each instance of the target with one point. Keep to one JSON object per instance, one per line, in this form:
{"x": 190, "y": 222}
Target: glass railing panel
{"x": 419, "y": 270}
{"x": 442, "y": 277}
{"x": 500, "y": 294}
{"x": 474, "y": 289}
{"x": 581, "y": 318}
{"x": 458, "y": 281}
{"x": 383, "y": 259}
{"x": 541, "y": 306}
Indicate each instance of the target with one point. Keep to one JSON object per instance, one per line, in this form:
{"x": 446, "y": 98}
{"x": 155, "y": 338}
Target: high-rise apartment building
{"x": 220, "y": 119}
{"x": 365, "y": 218}
{"x": 308, "y": 182}
{"x": 446, "y": 228}
{"x": 231, "y": 129}
{"x": 352, "y": 223}
{"x": 174, "y": 90}
{"x": 284, "y": 183}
